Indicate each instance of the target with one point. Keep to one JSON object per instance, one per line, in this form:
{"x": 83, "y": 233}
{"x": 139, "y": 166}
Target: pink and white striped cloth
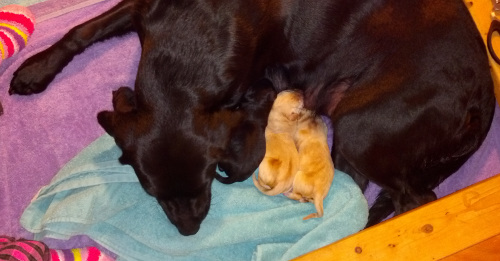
{"x": 23, "y": 250}
{"x": 17, "y": 23}
{"x": 79, "y": 254}
{"x": 30, "y": 250}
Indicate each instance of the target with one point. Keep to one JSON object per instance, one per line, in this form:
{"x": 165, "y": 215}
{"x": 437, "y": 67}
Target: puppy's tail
{"x": 318, "y": 203}
{"x": 278, "y": 189}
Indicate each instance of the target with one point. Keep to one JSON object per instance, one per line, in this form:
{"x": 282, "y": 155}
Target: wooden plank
{"x": 431, "y": 232}
{"x": 488, "y": 250}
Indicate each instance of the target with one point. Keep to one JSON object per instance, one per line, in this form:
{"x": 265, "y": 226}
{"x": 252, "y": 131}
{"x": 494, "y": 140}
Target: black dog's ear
{"x": 247, "y": 144}
{"x": 124, "y": 100}
{"x": 243, "y": 153}
{"x": 124, "y": 160}
{"x": 105, "y": 119}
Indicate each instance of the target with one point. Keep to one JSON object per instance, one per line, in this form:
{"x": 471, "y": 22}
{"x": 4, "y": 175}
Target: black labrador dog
{"x": 406, "y": 84}
{"x": 232, "y": 139}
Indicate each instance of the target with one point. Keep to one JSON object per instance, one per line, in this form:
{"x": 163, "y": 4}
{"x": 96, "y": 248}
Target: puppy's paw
{"x": 32, "y": 77}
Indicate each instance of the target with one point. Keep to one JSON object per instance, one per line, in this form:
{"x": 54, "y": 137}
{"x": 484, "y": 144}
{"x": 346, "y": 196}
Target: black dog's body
{"x": 406, "y": 84}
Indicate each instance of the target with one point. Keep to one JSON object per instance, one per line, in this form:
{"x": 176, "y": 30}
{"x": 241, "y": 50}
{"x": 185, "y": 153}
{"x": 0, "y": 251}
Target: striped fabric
{"x": 28, "y": 250}
{"x": 23, "y": 250}
{"x": 17, "y": 24}
{"x": 79, "y": 254}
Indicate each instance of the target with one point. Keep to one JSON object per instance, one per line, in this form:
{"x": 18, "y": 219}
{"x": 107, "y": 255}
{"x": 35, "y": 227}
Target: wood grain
{"x": 488, "y": 250}
{"x": 431, "y": 232}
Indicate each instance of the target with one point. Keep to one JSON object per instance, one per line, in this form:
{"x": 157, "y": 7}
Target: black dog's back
{"x": 422, "y": 110}
{"x": 406, "y": 84}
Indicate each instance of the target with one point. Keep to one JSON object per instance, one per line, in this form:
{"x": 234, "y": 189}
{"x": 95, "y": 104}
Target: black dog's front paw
{"x": 33, "y": 76}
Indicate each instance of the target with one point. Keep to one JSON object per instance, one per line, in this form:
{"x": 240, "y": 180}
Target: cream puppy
{"x": 281, "y": 161}
{"x": 315, "y": 175}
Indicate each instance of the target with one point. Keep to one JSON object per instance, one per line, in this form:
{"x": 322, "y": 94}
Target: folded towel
{"x": 95, "y": 195}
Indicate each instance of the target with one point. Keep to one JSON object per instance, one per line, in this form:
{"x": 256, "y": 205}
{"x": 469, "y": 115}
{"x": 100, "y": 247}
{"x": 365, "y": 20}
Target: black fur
{"x": 406, "y": 84}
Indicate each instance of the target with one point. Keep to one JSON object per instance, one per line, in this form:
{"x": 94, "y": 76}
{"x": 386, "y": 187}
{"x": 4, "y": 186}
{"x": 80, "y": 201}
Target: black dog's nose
{"x": 188, "y": 231}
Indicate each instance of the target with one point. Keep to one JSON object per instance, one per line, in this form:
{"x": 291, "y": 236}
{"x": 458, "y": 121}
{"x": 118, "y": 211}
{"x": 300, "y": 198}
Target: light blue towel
{"x": 94, "y": 195}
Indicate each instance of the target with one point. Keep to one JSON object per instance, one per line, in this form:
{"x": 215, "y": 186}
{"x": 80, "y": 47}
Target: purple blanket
{"x": 40, "y": 133}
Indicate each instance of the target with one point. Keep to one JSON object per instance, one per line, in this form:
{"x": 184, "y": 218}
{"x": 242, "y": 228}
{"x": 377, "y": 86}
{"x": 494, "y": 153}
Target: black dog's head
{"x": 173, "y": 167}
{"x": 179, "y": 179}
{"x": 175, "y": 163}
{"x": 187, "y": 212}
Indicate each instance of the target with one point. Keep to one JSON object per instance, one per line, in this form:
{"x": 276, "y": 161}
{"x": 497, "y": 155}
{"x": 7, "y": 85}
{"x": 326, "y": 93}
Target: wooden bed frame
{"x": 462, "y": 226}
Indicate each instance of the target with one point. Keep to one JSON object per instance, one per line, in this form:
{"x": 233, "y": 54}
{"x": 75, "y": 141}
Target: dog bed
{"x": 41, "y": 133}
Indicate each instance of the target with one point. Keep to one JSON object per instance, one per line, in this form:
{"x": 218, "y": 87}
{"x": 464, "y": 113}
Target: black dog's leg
{"x": 342, "y": 165}
{"x": 247, "y": 145}
{"x": 397, "y": 202}
{"x": 382, "y": 207}
{"x": 35, "y": 74}
{"x": 387, "y": 203}
{"x": 410, "y": 200}
{"x": 415, "y": 191}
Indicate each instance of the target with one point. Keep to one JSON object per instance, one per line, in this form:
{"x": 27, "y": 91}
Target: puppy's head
{"x": 289, "y": 104}
{"x": 286, "y": 109}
